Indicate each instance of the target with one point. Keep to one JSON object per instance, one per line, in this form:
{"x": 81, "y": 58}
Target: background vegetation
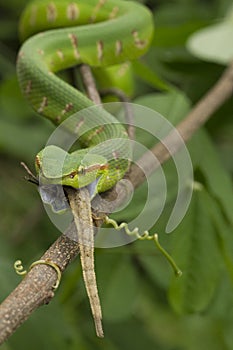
{"x": 144, "y": 306}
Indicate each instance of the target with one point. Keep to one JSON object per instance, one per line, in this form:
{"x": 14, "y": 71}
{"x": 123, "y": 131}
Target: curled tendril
{"x": 145, "y": 236}
{"x": 20, "y": 270}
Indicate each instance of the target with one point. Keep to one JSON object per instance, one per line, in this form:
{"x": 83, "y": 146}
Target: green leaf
{"x": 149, "y": 76}
{"x": 224, "y": 230}
{"x": 214, "y": 43}
{"x": 182, "y": 12}
{"x": 7, "y": 63}
{"x": 19, "y": 136}
{"x": 8, "y": 277}
{"x": 23, "y": 142}
{"x": 196, "y": 253}
{"x": 48, "y": 329}
{"x": 217, "y": 180}
{"x": 171, "y": 36}
{"x": 19, "y": 110}
{"x": 155, "y": 265}
{"x": 173, "y": 105}
{"x": 123, "y": 279}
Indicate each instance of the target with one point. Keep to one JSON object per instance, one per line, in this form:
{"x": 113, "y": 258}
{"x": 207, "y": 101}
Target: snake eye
{"x": 72, "y": 175}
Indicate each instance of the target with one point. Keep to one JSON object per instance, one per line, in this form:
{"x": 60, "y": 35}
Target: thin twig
{"x": 89, "y": 83}
{"x": 127, "y": 106}
{"x": 36, "y": 287}
{"x": 198, "y": 116}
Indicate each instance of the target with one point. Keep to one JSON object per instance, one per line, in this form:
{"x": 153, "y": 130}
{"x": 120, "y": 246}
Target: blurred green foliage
{"x": 144, "y": 305}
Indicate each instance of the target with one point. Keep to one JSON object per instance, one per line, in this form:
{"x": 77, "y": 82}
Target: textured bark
{"x": 36, "y": 288}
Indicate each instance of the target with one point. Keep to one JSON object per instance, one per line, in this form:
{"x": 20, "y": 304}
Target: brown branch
{"x": 89, "y": 83}
{"x": 129, "y": 118}
{"x": 36, "y": 287}
{"x": 200, "y": 113}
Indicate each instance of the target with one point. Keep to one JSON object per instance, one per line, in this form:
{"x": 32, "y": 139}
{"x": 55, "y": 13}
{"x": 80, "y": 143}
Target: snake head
{"x": 78, "y": 169}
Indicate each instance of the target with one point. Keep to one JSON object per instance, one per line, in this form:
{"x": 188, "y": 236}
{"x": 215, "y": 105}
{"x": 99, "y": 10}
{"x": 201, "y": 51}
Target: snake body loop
{"x": 99, "y": 33}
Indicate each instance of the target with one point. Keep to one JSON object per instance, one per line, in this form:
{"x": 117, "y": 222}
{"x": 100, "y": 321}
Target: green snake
{"x": 99, "y": 33}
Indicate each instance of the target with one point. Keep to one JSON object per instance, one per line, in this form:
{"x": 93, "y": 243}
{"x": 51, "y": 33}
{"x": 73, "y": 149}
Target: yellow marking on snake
{"x": 114, "y": 12}
{"x": 100, "y": 50}
{"x": 122, "y": 69}
{"x": 28, "y": 88}
{"x": 43, "y": 104}
{"x": 96, "y": 132}
{"x": 68, "y": 108}
{"x": 51, "y": 12}
{"x": 140, "y": 44}
{"x": 97, "y": 9}
{"x": 33, "y": 16}
{"x": 72, "y": 11}
{"x": 40, "y": 52}
{"x": 74, "y": 41}
{"x": 60, "y": 54}
{"x": 118, "y": 47}
{"x": 78, "y": 126}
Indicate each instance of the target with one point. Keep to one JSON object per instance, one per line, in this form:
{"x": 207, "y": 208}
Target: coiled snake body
{"x": 99, "y": 33}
